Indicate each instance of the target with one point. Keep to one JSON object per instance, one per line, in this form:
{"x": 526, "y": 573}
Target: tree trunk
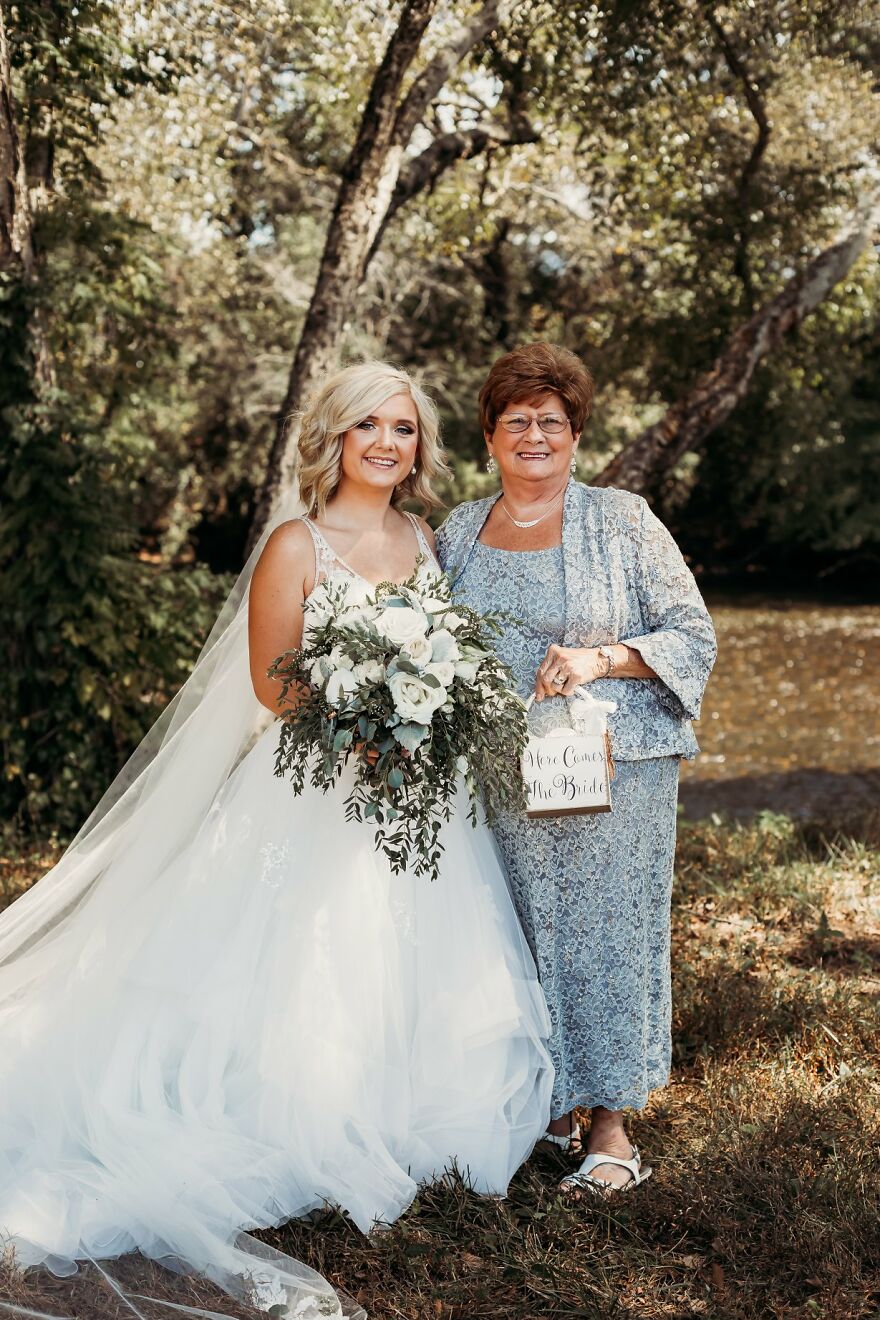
{"x": 16, "y": 226}
{"x": 715, "y": 394}
{"x": 365, "y": 197}
{"x": 18, "y": 258}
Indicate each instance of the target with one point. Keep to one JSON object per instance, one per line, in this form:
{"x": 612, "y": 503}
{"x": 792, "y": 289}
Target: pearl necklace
{"x": 534, "y": 521}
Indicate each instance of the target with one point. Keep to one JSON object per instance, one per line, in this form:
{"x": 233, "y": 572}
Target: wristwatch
{"x": 607, "y": 655}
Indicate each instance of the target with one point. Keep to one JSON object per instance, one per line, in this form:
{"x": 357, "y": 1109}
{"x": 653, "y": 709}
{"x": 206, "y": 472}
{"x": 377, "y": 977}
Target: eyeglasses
{"x": 550, "y": 423}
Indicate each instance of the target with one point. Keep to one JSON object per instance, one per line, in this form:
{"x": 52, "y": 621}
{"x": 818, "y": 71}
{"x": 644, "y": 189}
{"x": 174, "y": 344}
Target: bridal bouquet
{"x": 402, "y": 683}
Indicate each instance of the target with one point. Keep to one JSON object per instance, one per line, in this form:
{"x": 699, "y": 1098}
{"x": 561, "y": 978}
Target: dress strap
{"x": 326, "y": 558}
{"x": 421, "y": 538}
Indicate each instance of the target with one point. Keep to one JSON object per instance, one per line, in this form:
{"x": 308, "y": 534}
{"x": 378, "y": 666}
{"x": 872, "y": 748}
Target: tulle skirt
{"x": 278, "y": 1023}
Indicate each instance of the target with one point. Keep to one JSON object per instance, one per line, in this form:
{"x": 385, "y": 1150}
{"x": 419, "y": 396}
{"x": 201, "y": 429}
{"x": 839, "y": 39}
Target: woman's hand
{"x": 583, "y": 664}
{"x": 573, "y": 664}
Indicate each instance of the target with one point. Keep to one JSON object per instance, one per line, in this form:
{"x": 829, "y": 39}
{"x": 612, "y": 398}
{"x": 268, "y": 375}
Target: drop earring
{"x": 573, "y": 465}
{"x": 491, "y": 465}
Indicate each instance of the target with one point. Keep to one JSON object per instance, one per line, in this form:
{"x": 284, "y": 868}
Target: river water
{"x": 791, "y": 716}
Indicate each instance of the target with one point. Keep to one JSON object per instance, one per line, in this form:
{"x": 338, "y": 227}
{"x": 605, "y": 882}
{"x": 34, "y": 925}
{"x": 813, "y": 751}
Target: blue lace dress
{"x": 592, "y": 892}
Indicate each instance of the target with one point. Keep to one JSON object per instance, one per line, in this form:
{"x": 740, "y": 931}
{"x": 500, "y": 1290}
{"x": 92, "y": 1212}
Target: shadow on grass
{"x": 780, "y": 1220}
{"x": 722, "y": 1009}
{"x": 804, "y": 793}
{"x": 834, "y": 952}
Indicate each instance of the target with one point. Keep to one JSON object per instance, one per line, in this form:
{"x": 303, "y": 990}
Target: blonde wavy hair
{"x": 346, "y": 398}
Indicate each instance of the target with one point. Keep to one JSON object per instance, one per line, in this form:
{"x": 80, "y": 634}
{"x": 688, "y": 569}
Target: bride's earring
{"x": 491, "y": 465}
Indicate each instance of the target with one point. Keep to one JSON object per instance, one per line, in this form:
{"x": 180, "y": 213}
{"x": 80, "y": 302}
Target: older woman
{"x": 598, "y": 593}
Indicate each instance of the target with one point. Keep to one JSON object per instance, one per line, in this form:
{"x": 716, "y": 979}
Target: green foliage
{"x": 96, "y": 638}
{"x": 798, "y": 465}
{"x": 73, "y": 63}
{"x": 95, "y": 641}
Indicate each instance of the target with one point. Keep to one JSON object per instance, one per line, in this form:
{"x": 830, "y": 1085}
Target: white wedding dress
{"x": 255, "y": 1020}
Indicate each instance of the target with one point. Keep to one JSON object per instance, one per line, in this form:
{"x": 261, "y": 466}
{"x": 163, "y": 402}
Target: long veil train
{"x": 114, "y": 883}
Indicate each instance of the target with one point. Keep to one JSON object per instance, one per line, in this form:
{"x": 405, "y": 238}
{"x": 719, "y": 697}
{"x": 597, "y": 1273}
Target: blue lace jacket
{"x": 625, "y": 581}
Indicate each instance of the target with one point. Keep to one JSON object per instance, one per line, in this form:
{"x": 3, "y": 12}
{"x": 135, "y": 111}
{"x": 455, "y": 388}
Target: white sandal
{"x": 568, "y": 1141}
{"x": 583, "y": 1178}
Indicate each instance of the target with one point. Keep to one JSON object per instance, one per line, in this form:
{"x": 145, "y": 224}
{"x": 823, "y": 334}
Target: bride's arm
{"x": 282, "y": 578}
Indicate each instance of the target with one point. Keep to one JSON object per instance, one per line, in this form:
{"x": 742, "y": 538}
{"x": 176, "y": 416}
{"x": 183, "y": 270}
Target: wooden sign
{"x": 567, "y": 773}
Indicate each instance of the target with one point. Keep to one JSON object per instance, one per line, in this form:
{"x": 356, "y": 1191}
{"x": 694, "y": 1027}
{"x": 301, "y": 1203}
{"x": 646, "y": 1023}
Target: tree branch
{"x": 753, "y": 100}
{"x": 751, "y": 166}
{"x": 715, "y": 394}
{"x": 425, "y": 169}
{"x": 379, "y": 124}
{"x": 438, "y": 70}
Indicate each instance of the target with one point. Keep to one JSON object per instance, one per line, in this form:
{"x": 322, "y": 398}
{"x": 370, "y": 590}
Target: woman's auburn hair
{"x": 343, "y": 400}
{"x": 531, "y": 370}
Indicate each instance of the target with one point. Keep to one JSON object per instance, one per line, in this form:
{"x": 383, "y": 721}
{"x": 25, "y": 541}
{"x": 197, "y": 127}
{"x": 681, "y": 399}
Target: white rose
{"x": 443, "y": 645}
{"x": 443, "y": 671}
{"x": 316, "y": 612}
{"x": 469, "y": 665}
{"x": 340, "y": 659}
{"x": 467, "y": 669}
{"x": 401, "y": 624}
{"x": 433, "y": 604}
{"x": 340, "y": 685}
{"x": 371, "y": 672}
{"x": 355, "y": 615}
{"x": 418, "y": 650}
{"x": 357, "y": 592}
{"x": 453, "y": 621}
{"x": 320, "y": 670}
{"x": 413, "y": 699}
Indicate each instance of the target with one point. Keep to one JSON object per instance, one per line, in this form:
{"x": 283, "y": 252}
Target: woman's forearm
{"x": 564, "y": 668}
{"x": 628, "y": 663}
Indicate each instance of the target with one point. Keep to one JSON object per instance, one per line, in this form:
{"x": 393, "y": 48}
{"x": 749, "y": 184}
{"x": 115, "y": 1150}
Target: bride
{"x": 220, "y": 1009}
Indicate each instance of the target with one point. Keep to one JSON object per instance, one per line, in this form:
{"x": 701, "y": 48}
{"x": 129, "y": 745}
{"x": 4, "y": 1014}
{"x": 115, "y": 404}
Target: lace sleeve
{"x": 680, "y": 642}
{"x": 444, "y": 539}
{"x": 442, "y": 532}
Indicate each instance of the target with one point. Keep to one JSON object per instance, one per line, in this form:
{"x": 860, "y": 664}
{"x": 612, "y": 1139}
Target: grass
{"x": 765, "y": 1200}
